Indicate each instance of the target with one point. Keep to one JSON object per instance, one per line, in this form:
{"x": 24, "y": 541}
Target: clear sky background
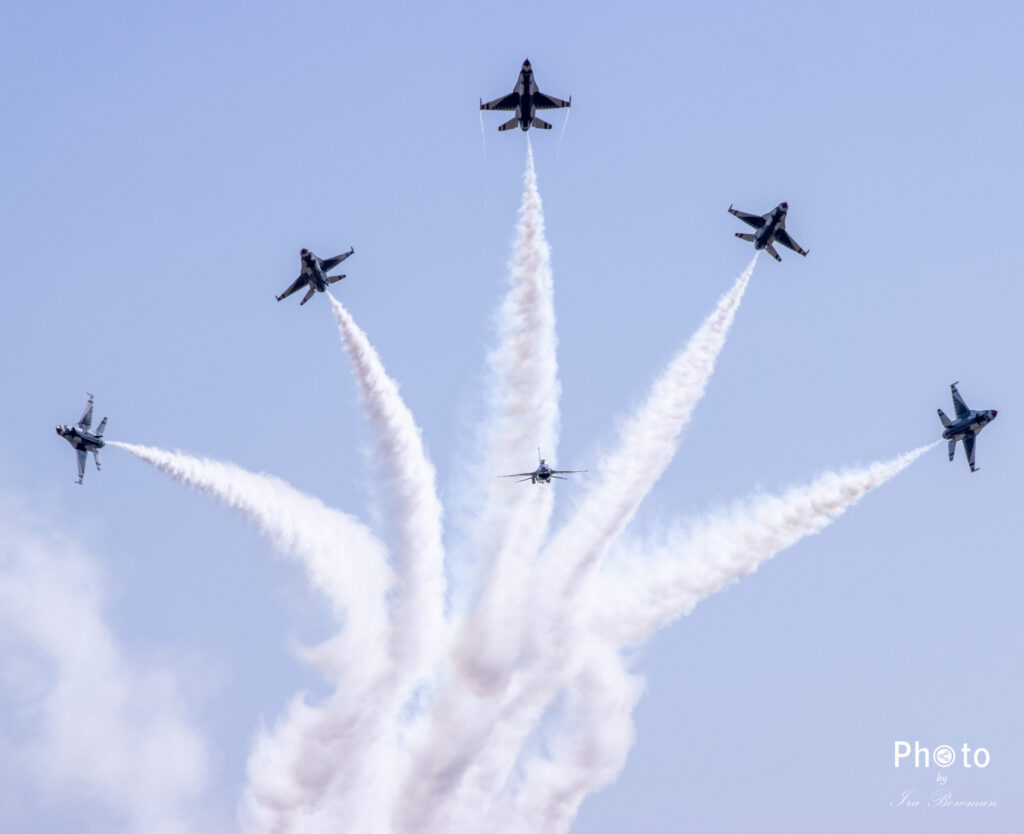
{"x": 162, "y": 166}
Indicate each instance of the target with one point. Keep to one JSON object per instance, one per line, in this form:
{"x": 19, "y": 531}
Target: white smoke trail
{"x": 648, "y": 442}
{"x": 357, "y": 781}
{"x": 532, "y": 709}
{"x": 415, "y": 513}
{"x": 291, "y": 768}
{"x": 524, "y": 394}
{"x": 510, "y": 530}
{"x": 550, "y": 650}
{"x": 325, "y": 762}
{"x": 641, "y": 593}
{"x": 587, "y": 752}
{"x": 652, "y": 584}
{"x": 342, "y": 557}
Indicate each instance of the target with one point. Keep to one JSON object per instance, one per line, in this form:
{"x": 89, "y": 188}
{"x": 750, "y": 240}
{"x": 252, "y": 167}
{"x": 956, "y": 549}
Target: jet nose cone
{"x": 304, "y": 252}
{"x": 59, "y": 429}
{"x": 526, "y": 63}
{"x": 784, "y": 206}
{"x": 994, "y": 413}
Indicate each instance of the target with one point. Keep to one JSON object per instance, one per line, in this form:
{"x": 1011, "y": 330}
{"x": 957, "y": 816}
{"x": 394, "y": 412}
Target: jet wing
{"x": 755, "y": 220}
{"x": 86, "y": 419}
{"x": 958, "y": 403}
{"x": 81, "y": 464}
{"x": 509, "y": 102}
{"x": 969, "y": 448}
{"x": 566, "y": 471}
{"x": 545, "y": 102}
{"x": 327, "y": 264}
{"x": 297, "y": 285}
{"x": 782, "y": 236}
{"x": 519, "y": 475}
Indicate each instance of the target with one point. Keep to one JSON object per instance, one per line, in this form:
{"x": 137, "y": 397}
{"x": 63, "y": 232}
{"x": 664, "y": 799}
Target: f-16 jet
{"x": 965, "y": 427}
{"x": 543, "y": 473}
{"x": 84, "y": 439}
{"x": 771, "y": 228}
{"x": 526, "y": 100}
{"x": 314, "y": 274}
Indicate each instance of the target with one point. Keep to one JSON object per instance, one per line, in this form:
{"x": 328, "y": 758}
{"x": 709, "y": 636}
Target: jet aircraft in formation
{"x": 84, "y": 439}
{"x": 526, "y": 100}
{"x": 771, "y": 228}
{"x": 965, "y": 427}
{"x": 314, "y": 274}
{"x": 543, "y": 473}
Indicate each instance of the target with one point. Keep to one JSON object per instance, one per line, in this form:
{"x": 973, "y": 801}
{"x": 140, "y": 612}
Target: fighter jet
{"x": 84, "y": 439}
{"x": 314, "y": 274}
{"x": 771, "y": 229}
{"x": 965, "y": 427}
{"x": 543, "y": 473}
{"x": 526, "y": 100}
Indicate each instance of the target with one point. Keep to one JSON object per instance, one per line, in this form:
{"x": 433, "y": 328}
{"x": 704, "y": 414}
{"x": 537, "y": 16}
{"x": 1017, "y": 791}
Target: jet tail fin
{"x": 332, "y": 279}
{"x": 511, "y": 123}
{"x": 541, "y": 124}
{"x": 309, "y": 294}
{"x": 943, "y": 418}
{"x": 952, "y": 449}
{"x": 772, "y": 252}
{"x": 101, "y": 427}
{"x": 744, "y": 236}
{"x": 96, "y": 456}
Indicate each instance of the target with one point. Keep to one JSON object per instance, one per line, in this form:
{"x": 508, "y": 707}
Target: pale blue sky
{"x": 162, "y": 166}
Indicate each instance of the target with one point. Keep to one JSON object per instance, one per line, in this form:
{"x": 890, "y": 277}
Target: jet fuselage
{"x": 969, "y": 424}
{"x": 80, "y": 438}
{"x": 526, "y": 87}
{"x": 311, "y": 266}
{"x": 766, "y": 234}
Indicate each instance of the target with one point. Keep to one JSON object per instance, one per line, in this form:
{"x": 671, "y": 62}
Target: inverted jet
{"x": 314, "y": 274}
{"x": 526, "y": 100}
{"x": 771, "y": 228}
{"x": 84, "y": 439}
{"x": 965, "y": 427}
{"x": 543, "y": 473}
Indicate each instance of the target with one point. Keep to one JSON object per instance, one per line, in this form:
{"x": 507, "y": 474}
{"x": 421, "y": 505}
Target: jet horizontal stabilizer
{"x": 541, "y": 124}
{"x": 511, "y": 123}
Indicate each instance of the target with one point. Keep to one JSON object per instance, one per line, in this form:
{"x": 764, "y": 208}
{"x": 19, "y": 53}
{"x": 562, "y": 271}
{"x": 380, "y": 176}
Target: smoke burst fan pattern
{"x": 541, "y": 648}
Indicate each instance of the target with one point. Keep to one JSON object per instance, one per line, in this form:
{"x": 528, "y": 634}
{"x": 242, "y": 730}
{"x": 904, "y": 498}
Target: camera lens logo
{"x": 944, "y": 755}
